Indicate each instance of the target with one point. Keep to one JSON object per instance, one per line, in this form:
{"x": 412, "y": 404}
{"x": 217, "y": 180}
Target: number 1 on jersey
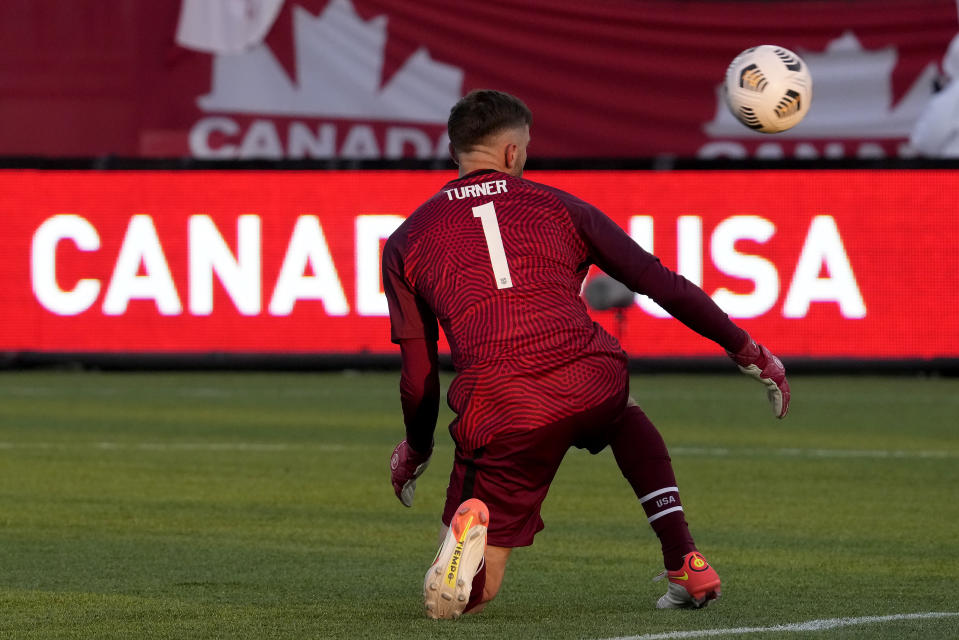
{"x": 494, "y": 242}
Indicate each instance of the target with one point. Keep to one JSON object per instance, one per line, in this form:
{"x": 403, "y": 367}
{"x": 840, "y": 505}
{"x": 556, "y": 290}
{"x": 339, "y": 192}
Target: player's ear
{"x": 510, "y": 153}
{"x": 453, "y": 154}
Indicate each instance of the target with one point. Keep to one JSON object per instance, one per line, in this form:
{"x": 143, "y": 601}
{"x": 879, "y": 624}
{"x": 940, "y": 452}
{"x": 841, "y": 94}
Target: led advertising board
{"x": 822, "y": 264}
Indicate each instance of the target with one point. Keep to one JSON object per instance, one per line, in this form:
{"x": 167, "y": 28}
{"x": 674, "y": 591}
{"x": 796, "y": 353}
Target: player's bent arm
{"x": 419, "y": 395}
{"x": 414, "y": 327}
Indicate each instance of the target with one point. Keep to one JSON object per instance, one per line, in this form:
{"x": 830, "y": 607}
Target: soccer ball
{"x": 768, "y": 88}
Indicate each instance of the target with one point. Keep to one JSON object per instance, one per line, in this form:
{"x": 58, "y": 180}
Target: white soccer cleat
{"x": 447, "y": 586}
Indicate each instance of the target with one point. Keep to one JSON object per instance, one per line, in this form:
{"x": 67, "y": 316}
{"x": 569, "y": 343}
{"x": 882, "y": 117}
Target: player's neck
{"x": 466, "y": 172}
{"x": 478, "y": 161}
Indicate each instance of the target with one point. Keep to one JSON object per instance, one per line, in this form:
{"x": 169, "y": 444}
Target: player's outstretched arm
{"x": 621, "y": 257}
{"x": 758, "y": 362}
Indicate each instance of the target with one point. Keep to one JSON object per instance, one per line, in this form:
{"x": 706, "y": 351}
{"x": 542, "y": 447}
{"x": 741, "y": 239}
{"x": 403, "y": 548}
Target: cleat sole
{"x": 448, "y": 582}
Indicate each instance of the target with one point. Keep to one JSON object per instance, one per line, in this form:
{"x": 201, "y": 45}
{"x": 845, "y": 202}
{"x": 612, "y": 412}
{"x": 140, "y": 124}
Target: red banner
{"x": 824, "y": 264}
{"x": 375, "y": 79}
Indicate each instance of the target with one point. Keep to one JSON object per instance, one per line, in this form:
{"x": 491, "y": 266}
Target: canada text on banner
{"x": 819, "y": 263}
{"x": 375, "y": 79}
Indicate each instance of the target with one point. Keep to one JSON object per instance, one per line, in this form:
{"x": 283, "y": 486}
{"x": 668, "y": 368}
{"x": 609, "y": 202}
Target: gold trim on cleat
{"x": 453, "y": 568}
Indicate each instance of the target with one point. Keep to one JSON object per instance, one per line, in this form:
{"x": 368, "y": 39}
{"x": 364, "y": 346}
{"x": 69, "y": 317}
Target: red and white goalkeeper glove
{"x": 756, "y": 360}
{"x": 406, "y": 465}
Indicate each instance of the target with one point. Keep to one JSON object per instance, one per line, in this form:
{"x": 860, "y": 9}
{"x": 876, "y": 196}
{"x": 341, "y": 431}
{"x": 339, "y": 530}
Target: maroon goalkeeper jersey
{"x": 499, "y": 262}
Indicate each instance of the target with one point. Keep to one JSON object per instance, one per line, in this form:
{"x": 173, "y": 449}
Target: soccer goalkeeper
{"x": 499, "y": 261}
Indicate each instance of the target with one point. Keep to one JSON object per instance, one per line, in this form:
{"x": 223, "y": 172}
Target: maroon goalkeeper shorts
{"x": 513, "y": 472}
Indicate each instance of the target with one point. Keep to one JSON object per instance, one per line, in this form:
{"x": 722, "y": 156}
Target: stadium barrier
{"x": 177, "y": 263}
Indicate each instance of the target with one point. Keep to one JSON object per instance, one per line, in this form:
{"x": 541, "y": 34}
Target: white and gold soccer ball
{"x": 768, "y": 88}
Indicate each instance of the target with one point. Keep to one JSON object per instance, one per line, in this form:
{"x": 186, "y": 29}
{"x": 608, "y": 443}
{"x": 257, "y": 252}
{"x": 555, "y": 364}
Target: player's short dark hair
{"x": 482, "y": 113}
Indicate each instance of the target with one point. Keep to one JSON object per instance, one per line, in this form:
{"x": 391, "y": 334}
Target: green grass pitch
{"x": 258, "y": 505}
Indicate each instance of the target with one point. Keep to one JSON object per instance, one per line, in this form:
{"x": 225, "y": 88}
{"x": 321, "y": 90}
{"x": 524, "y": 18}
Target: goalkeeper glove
{"x": 406, "y": 465}
{"x": 756, "y": 360}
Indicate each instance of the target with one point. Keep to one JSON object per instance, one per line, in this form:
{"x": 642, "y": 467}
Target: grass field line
{"x": 174, "y": 446}
{"x": 796, "y": 452}
{"x": 811, "y": 625}
{"x": 709, "y": 452}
